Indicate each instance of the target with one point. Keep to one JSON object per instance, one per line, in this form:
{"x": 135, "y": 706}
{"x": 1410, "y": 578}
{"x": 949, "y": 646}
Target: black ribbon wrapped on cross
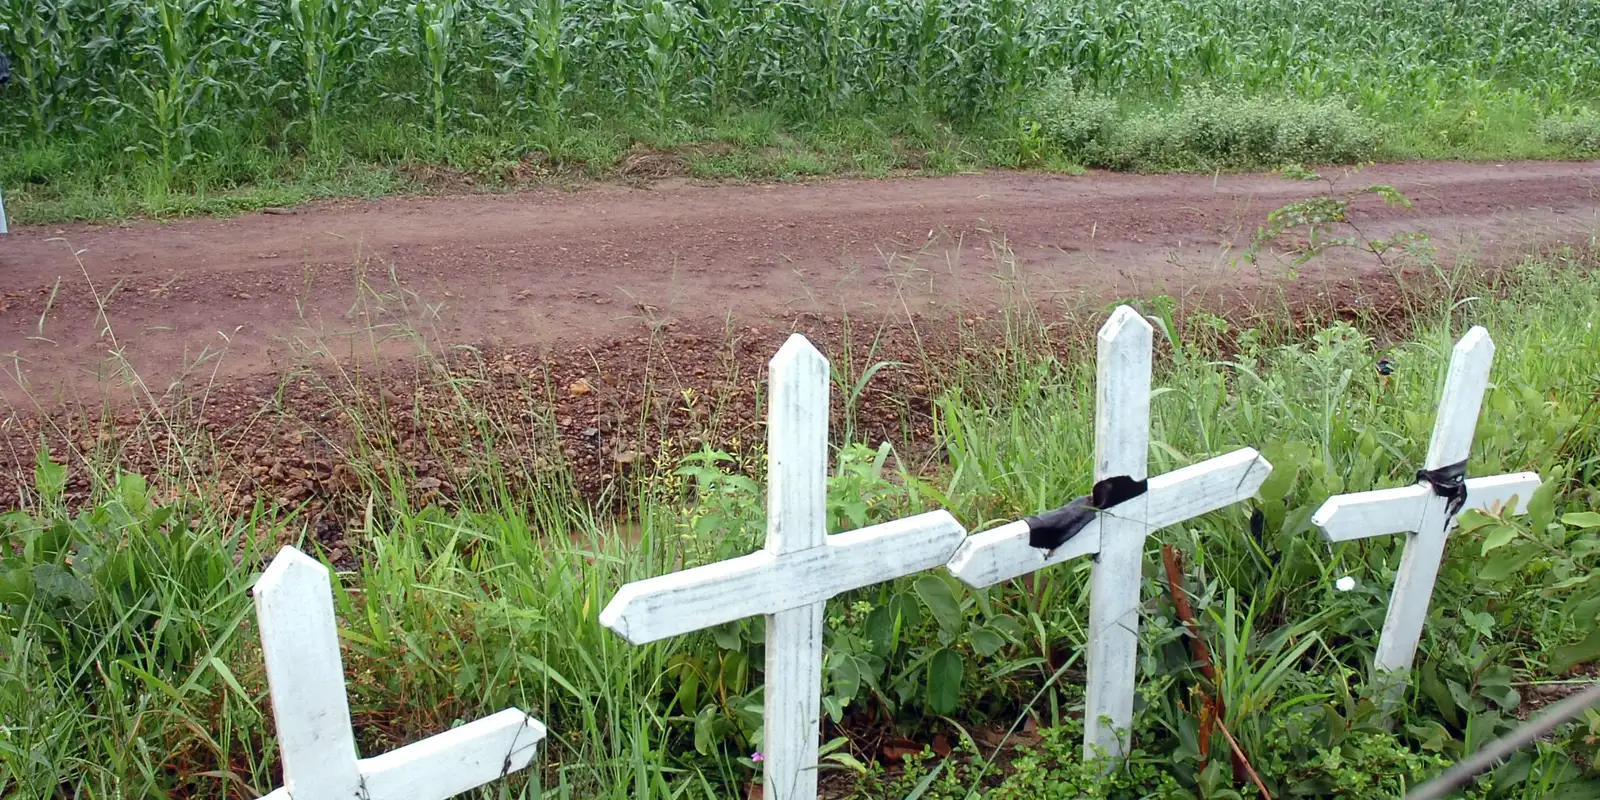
{"x": 1449, "y": 482}
{"x": 1052, "y": 529}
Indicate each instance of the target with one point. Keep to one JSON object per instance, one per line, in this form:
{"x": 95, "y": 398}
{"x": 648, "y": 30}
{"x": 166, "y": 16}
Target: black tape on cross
{"x": 1449, "y": 482}
{"x": 1052, "y": 529}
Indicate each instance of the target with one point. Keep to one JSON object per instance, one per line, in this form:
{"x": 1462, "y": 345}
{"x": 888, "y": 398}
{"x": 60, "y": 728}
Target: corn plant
{"x": 174, "y": 78}
{"x": 435, "y": 22}
{"x": 171, "y": 72}
{"x": 531, "y": 55}
{"x": 45, "y": 65}
{"x": 661, "y": 23}
{"x": 327, "y": 33}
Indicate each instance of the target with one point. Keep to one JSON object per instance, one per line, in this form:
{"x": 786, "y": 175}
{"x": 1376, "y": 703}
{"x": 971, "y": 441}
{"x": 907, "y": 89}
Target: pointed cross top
{"x": 1464, "y": 387}
{"x": 300, "y": 644}
{"x": 797, "y": 447}
{"x": 1122, "y": 396}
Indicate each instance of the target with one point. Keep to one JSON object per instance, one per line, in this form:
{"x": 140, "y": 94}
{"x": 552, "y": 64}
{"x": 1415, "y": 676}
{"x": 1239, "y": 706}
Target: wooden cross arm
{"x": 766, "y": 583}
{"x": 1389, "y": 511}
{"x": 452, "y": 762}
{"x": 990, "y": 557}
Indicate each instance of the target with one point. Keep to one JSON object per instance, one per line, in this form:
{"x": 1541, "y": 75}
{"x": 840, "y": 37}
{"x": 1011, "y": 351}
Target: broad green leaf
{"x": 735, "y": 672}
{"x": 849, "y": 761}
{"x": 941, "y": 602}
{"x": 727, "y": 635}
{"x": 49, "y": 478}
{"x": 1498, "y": 536}
{"x": 705, "y": 730}
{"x": 944, "y": 681}
{"x": 1433, "y": 736}
{"x": 16, "y": 585}
{"x": 1435, "y": 689}
{"x": 1495, "y": 684}
{"x": 1581, "y": 519}
{"x": 54, "y": 584}
{"x": 986, "y": 642}
{"x": 908, "y": 611}
{"x": 1462, "y": 697}
{"x": 1507, "y": 563}
{"x": 1542, "y": 506}
{"x": 880, "y": 629}
{"x": 1503, "y": 696}
{"x": 1569, "y": 656}
{"x": 1279, "y": 481}
{"x": 132, "y": 491}
{"x": 834, "y": 706}
{"x": 845, "y": 675}
{"x": 687, "y": 670}
{"x": 1576, "y": 580}
{"x": 1473, "y": 519}
{"x": 1007, "y": 626}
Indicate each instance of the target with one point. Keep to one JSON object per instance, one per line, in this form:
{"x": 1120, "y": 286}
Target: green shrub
{"x": 1202, "y": 130}
{"x": 1577, "y": 133}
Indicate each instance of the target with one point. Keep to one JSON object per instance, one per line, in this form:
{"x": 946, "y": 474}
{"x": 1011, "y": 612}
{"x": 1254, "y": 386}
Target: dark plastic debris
{"x": 1449, "y": 482}
{"x": 1052, "y": 529}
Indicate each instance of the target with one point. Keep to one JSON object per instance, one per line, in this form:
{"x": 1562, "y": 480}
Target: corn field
{"x": 166, "y": 77}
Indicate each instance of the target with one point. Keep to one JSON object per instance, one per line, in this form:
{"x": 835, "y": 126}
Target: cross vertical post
{"x": 300, "y": 645}
{"x": 305, "y": 676}
{"x": 1122, "y": 447}
{"x": 1424, "y": 514}
{"x": 797, "y": 502}
{"x": 1115, "y": 534}
{"x": 790, "y": 580}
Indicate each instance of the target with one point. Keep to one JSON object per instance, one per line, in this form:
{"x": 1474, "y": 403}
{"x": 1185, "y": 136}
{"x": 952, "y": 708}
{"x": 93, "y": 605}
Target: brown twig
{"x": 1180, "y": 601}
{"x": 1202, "y": 654}
{"x": 1238, "y": 753}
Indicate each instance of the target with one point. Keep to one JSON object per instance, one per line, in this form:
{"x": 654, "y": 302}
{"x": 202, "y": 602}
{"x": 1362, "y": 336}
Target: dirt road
{"x": 245, "y": 296}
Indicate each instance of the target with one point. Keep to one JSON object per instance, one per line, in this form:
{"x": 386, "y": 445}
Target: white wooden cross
{"x": 790, "y": 580}
{"x": 300, "y": 644}
{"x": 1416, "y": 510}
{"x": 1115, "y": 537}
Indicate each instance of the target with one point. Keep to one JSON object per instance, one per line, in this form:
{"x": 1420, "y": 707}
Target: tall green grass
{"x": 201, "y": 98}
{"x": 129, "y": 668}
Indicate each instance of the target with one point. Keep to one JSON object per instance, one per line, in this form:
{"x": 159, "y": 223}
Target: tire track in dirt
{"x": 247, "y": 296}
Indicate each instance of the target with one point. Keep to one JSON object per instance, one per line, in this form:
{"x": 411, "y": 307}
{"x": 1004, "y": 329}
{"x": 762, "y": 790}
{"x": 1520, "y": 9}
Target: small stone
{"x": 345, "y": 477}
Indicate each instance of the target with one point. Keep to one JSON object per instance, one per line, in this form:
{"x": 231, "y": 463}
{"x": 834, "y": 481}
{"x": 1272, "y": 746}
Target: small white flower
{"x": 1345, "y": 584}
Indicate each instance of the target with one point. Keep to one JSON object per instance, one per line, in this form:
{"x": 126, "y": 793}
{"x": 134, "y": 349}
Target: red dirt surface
{"x": 611, "y": 330}
{"x": 201, "y": 300}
